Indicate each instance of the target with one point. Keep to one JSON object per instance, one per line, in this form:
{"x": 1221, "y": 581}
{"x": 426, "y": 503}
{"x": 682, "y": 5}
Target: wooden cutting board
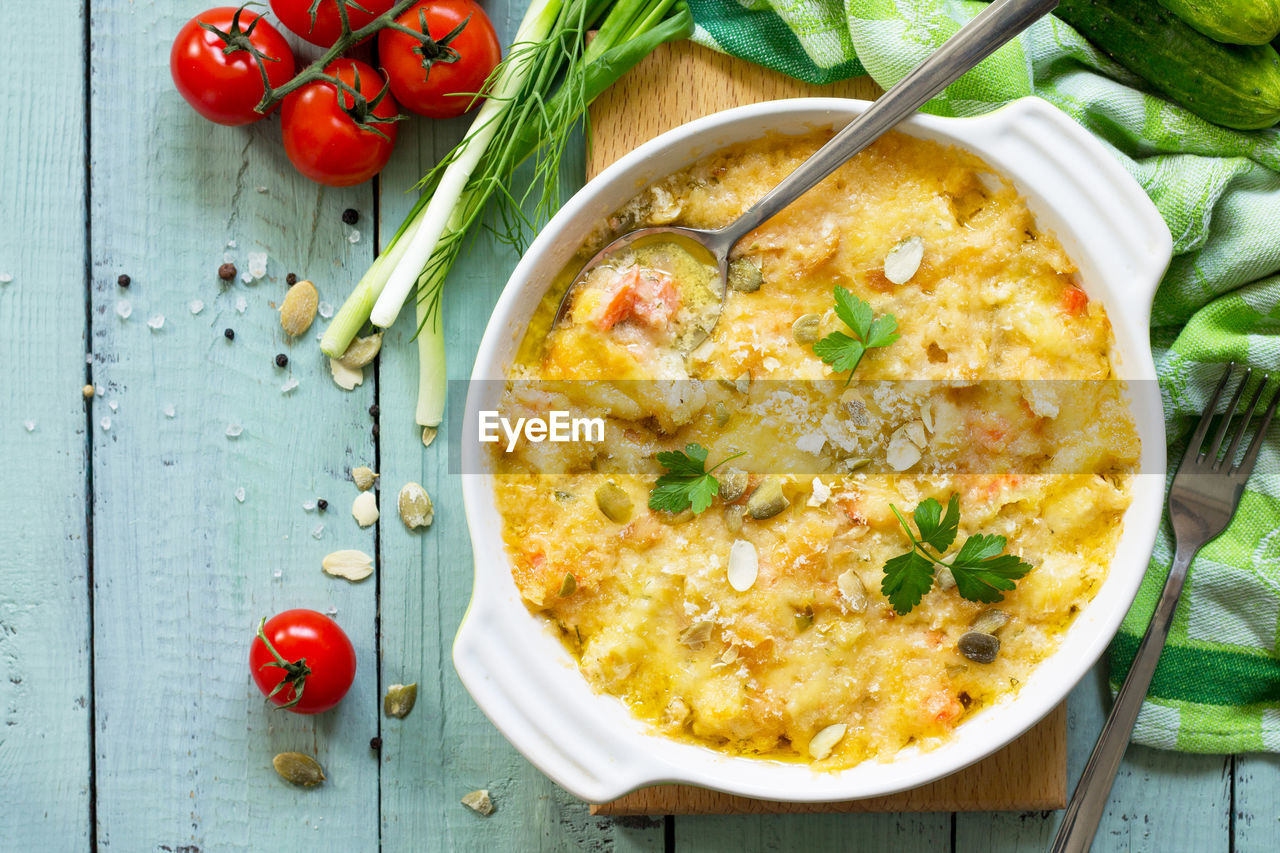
{"x": 678, "y": 83}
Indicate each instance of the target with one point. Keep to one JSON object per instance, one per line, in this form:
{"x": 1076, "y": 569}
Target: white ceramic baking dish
{"x": 522, "y": 677}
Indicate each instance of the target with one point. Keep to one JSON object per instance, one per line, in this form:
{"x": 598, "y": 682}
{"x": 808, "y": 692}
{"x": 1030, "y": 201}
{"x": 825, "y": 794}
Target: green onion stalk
{"x": 534, "y": 99}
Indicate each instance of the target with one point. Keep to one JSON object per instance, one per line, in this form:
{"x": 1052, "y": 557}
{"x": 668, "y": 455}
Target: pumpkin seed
{"x": 363, "y": 477}
{"x": 767, "y": 500}
{"x": 696, "y": 635}
{"x": 569, "y": 585}
{"x": 614, "y": 502}
{"x": 804, "y": 619}
{"x": 721, "y": 413}
{"x": 564, "y": 497}
{"x": 349, "y": 564}
{"x": 745, "y": 275}
{"x": 298, "y": 310}
{"x": 979, "y": 647}
{"x": 743, "y": 383}
{"x": 479, "y": 802}
{"x": 361, "y": 351}
{"x": 733, "y": 483}
{"x": 990, "y": 622}
{"x": 364, "y": 509}
{"x": 825, "y": 741}
{"x": 805, "y": 328}
{"x": 733, "y": 518}
{"x": 946, "y": 580}
{"x": 416, "y": 509}
{"x": 299, "y": 769}
{"x": 400, "y": 700}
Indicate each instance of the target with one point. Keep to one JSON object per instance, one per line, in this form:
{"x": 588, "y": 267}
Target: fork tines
{"x": 1208, "y": 457}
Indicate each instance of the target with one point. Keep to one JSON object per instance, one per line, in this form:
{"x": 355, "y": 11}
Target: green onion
{"x": 538, "y": 94}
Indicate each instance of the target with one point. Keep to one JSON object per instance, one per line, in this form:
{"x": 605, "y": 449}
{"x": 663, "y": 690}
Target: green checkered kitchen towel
{"x": 1218, "y": 685}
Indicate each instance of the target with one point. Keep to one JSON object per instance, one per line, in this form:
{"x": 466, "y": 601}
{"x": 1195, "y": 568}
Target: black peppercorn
{"x": 291, "y": 279}
{"x": 375, "y": 743}
{"x": 351, "y": 216}
{"x": 123, "y": 280}
{"x": 282, "y": 360}
{"x": 226, "y": 272}
{"x": 373, "y": 410}
{"x": 229, "y": 334}
{"x": 323, "y": 504}
{"x": 375, "y": 430}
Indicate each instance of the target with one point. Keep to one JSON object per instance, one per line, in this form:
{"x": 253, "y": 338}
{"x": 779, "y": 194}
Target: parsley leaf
{"x": 687, "y": 482}
{"x": 843, "y": 352}
{"x": 907, "y": 577}
{"x": 981, "y": 569}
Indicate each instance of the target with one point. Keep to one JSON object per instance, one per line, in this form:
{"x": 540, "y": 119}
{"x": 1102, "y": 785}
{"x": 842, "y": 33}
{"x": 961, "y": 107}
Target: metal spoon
{"x": 978, "y": 39}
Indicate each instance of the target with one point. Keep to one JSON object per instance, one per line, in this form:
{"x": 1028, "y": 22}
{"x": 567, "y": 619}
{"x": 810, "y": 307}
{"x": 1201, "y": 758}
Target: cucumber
{"x": 1235, "y": 86}
{"x": 1230, "y": 21}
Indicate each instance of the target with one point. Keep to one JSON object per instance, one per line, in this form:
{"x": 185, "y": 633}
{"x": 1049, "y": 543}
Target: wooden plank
{"x": 1161, "y": 800}
{"x": 446, "y": 747}
{"x": 682, "y": 81}
{"x": 184, "y": 571}
{"x": 45, "y": 707}
{"x": 1013, "y": 778}
{"x": 900, "y": 833}
{"x": 1257, "y": 803}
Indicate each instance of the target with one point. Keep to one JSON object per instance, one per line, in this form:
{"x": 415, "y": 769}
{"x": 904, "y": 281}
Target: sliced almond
{"x": 365, "y": 509}
{"x": 744, "y": 565}
{"x": 363, "y": 477}
{"x": 696, "y": 635}
{"x": 345, "y": 377}
{"x": 902, "y": 452}
{"x": 298, "y": 309}
{"x": 415, "y": 506}
{"x": 350, "y": 564}
{"x": 853, "y": 591}
{"x": 361, "y": 351}
{"x": 825, "y": 741}
{"x": 299, "y": 769}
{"x": 903, "y": 260}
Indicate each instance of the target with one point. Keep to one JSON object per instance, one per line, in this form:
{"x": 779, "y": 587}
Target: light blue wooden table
{"x": 131, "y": 578}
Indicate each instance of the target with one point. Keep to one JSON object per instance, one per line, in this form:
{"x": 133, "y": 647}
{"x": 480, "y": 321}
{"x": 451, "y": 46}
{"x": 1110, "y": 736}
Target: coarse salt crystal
{"x": 88, "y": 358}
{"x": 257, "y": 264}
{"x": 5, "y": 277}
{"x": 196, "y": 306}
{"x": 278, "y": 573}
{"x": 30, "y": 425}
{"x": 332, "y": 611}
{"x": 105, "y": 423}
{"x": 354, "y": 236}
{"x": 261, "y": 189}
{"x": 325, "y": 310}
{"x": 123, "y": 309}
{"x": 317, "y": 532}
{"x": 228, "y": 258}
{"x": 156, "y": 321}
{"x": 114, "y": 405}
{"x": 234, "y": 430}
{"x": 246, "y": 278}
{"x": 169, "y": 410}
{"x": 231, "y": 244}
{"x": 821, "y": 493}
{"x": 241, "y": 304}
{"x": 99, "y": 390}
{"x": 308, "y": 506}
{"x": 289, "y": 385}
{"x": 239, "y": 494}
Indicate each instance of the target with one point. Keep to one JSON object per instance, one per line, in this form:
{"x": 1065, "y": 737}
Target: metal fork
{"x": 1204, "y": 496}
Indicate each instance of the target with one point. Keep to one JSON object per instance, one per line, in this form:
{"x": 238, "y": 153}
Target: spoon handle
{"x": 978, "y": 39}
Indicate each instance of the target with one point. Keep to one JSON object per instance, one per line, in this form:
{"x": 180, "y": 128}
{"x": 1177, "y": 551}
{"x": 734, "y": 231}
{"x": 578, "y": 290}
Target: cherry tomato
{"x": 226, "y": 87}
{"x": 327, "y": 26}
{"x": 440, "y": 82}
{"x": 305, "y": 658}
{"x": 324, "y": 142}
